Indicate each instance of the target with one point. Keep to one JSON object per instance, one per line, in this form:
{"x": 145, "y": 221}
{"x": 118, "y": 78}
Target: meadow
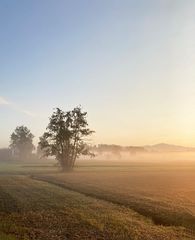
{"x": 98, "y": 200}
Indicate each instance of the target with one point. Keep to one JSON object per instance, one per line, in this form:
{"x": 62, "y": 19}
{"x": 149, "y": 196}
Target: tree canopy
{"x": 21, "y": 142}
{"x": 65, "y": 136}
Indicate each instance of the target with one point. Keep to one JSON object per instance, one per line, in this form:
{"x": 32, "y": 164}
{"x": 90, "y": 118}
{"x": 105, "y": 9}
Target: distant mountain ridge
{"x": 164, "y": 147}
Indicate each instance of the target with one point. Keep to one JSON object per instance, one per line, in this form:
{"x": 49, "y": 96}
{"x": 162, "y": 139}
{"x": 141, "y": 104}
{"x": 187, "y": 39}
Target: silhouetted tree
{"x": 65, "y": 137}
{"x": 21, "y": 143}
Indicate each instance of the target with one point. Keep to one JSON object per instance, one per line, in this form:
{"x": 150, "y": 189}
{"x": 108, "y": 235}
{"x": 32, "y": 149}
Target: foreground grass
{"x": 160, "y": 212}
{"x": 6, "y": 237}
{"x": 164, "y": 193}
{"x": 31, "y": 209}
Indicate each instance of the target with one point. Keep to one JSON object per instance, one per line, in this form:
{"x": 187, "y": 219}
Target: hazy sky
{"x": 129, "y": 63}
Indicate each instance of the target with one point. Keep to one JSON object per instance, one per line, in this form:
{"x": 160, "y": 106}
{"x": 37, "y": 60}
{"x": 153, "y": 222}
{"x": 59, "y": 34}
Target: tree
{"x": 65, "y": 137}
{"x": 22, "y": 142}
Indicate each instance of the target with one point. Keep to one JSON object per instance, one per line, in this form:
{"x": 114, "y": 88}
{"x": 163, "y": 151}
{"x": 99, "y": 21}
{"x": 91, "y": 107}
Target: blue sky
{"x": 130, "y": 64}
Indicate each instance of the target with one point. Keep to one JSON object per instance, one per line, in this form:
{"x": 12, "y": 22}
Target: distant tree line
{"x": 116, "y": 149}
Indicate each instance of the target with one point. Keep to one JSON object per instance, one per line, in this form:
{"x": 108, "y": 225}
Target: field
{"x": 98, "y": 200}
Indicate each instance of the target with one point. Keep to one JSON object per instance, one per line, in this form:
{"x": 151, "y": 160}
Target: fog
{"x": 146, "y": 157}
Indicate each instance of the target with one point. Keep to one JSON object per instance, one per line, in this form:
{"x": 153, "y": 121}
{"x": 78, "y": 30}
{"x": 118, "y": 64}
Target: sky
{"x": 129, "y": 63}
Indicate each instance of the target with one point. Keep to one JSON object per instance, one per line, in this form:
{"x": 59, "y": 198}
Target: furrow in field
{"x": 49, "y": 211}
{"x": 160, "y": 213}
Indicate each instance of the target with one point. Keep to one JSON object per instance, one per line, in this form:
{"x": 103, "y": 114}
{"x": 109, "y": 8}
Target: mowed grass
{"x": 98, "y": 200}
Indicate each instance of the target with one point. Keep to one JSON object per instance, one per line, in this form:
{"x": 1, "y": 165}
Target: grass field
{"x": 98, "y": 200}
